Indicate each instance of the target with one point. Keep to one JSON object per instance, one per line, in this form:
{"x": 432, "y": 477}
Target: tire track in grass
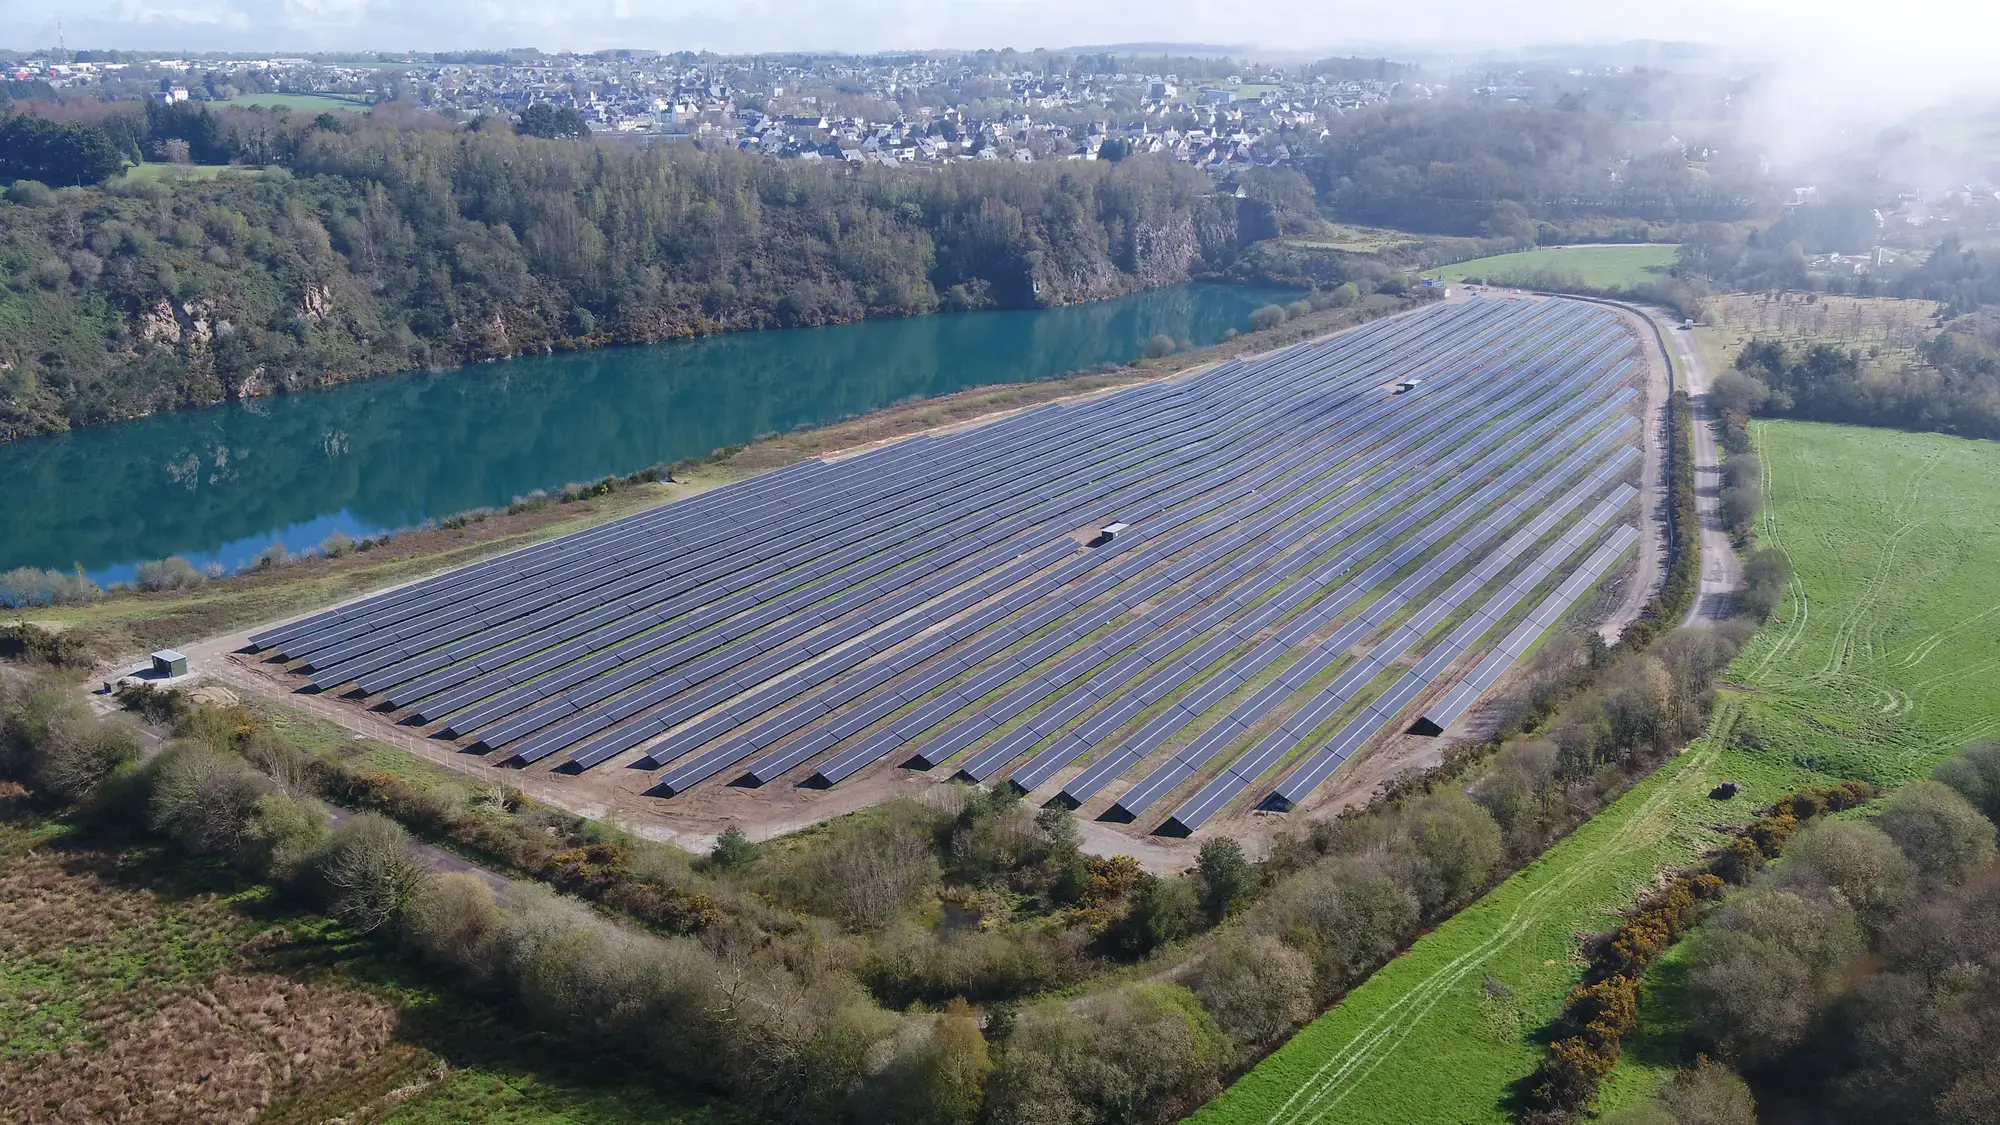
{"x": 1795, "y": 589}
{"x": 1368, "y": 1048}
{"x": 1923, "y": 649}
{"x": 1860, "y": 621}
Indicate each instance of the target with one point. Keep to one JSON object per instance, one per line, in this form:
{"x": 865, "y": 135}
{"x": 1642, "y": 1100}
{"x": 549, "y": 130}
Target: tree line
{"x": 1586, "y": 1040}
{"x": 1854, "y": 979}
{"x": 1956, "y": 390}
{"x": 1499, "y": 169}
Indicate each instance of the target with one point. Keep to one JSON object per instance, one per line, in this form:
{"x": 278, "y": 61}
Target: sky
{"x": 1842, "y": 28}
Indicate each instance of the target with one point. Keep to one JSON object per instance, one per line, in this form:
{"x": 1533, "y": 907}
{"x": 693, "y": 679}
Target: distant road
{"x": 1721, "y": 570}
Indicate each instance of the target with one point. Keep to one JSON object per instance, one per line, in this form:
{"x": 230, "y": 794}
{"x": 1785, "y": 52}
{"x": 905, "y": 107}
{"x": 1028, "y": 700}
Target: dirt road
{"x": 1721, "y": 571}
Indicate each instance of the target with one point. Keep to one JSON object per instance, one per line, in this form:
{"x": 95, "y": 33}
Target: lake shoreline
{"x": 138, "y": 621}
{"x": 605, "y": 343}
{"x": 218, "y": 486}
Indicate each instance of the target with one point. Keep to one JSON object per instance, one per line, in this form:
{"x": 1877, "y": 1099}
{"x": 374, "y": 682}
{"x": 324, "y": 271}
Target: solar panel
{"x": 898, "y": 598}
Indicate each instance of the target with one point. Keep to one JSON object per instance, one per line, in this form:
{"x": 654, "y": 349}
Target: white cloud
{"x": 890, "y": 24}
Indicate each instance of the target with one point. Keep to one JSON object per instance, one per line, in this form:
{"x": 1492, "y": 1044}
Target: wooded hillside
{"x": 380, "y": 247}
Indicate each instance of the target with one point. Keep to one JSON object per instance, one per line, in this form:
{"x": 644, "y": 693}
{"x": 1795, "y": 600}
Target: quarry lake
{"x": 221, "y": 484}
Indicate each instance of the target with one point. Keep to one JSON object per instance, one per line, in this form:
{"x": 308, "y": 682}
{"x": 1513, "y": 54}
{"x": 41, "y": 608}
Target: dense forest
{"x": 1498, "y": 170}
{"x": 397, "y": 242}
{"x": 1855, "y": 980}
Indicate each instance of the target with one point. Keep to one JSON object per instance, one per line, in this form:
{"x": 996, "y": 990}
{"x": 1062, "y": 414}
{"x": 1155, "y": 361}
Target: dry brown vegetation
{"x": 217, "y": 1053}
{"x": 1892, "y": 330}
{"x": 128, "y": 1004}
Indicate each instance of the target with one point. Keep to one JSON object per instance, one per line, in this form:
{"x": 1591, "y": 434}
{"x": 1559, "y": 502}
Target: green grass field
{"x": 316, "y": 103}
{"x": 1881, "y": 663}
{"x": 1599, "y": 267}
{"x": 1353, "y": 239}
{"x": 162, "y": 172}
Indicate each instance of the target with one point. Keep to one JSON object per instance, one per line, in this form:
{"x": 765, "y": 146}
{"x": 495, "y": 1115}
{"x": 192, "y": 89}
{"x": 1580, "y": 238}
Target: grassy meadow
{"x": 1354, "y": 239}
{"x": 1881, "y": 662}
{"x": 1889, "y": 329}
{"x": 140, "y": 986}
{"x": 311, "y": 103}
{"x": 159, "y": 171}
{"x": 1595, "y": 267}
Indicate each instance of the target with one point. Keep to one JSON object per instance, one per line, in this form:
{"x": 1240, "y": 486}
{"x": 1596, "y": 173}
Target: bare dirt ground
{"x": 618, "y": 792}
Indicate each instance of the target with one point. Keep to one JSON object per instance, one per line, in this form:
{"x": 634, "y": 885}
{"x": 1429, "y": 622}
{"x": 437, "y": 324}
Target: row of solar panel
{"x": 1184, "y": 764}
{"x": 837, "y": 769}
{"x": 455, "y": 701}
{"x": 792, "y": 631}
{"x": 1411, "y": 504}
{"x": 766, "y": 497}
{"x": 760, "y": 672}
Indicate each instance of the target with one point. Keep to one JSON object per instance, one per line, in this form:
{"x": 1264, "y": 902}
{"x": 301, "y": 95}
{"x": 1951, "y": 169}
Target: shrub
{"x": 1938, "y": 830}
{"x": 1160, "y": 345}
{"x": 1225, "y": 875}
{"x": 1765, "y": 576}
{"x": 66, "y": 648}
{"x": 284, "y": 836}
{"x": 1268, "y": 317}
{"x": 370, "y": 870}
{"x": 1709, "y": 1093}
{"x": 732, "y": 850}
{"x": 337, "y": 544}
{"x": 1763, "y": 967}
{"x": 27, "y": 586}
{"x": 1450, "y": 851}
{"x": 204, "y": 799}
{"x": 50, "y": 740}
{"x": 1164, "y": 910}
{"x": 931, "y": 1072}
{"x": 1347, "y": 915}
{"x": 1855, "y": 858}
{"x": 1569, "y": 1075}
{"x": 448, "y": 921}
{"x": 1137, "y": 1053}
{"x": 1257, "y": 988}
{"x": 1975, "y": 773}
{"x": 172, "y": 573}
{"x": 1298, "y": 309}
{"x": 866, "y": 872}
{"x": 31, "y": 193}
{"x": 82, "y": 753}
{"x": 271, "y": 558}
{"x": 1738, "y": 393}
{"x": 1740, "y": 506}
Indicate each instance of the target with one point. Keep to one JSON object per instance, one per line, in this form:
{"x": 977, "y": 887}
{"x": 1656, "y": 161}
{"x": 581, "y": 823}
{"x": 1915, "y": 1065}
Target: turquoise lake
{"x": 219, "y": 485}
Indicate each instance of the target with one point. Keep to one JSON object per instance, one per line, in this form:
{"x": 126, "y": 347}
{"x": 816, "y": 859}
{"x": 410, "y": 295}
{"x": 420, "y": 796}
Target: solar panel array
{"x": 1297, "y": 534}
